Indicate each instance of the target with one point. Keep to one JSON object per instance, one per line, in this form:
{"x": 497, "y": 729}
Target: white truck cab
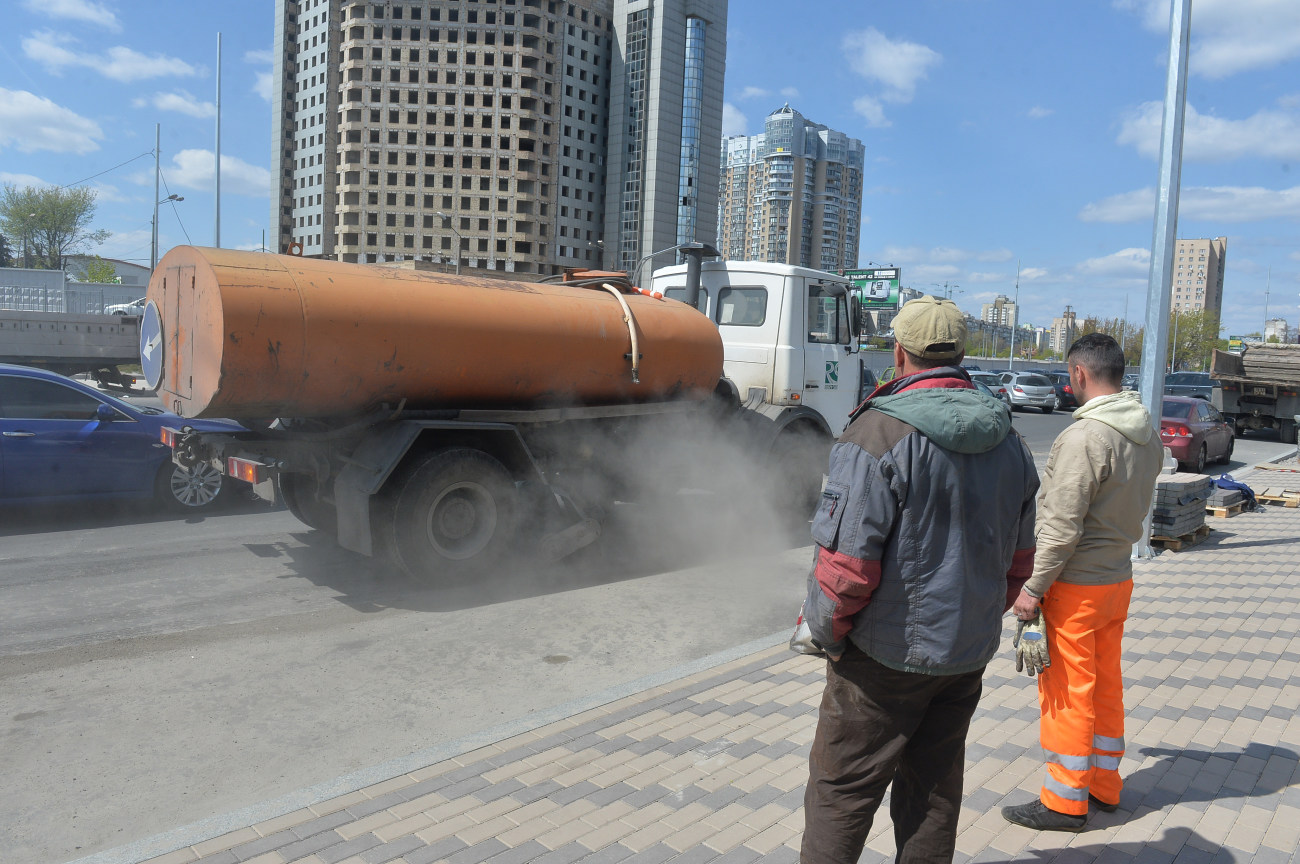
{"x": 787, "y": 334}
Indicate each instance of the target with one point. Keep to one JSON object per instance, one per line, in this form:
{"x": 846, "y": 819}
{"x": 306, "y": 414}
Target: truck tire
{"x": 800, "y": 458}
{"x": 1286, "y": 432}
{"x": 296, "y": 492}
{"x": 453, "y": 513}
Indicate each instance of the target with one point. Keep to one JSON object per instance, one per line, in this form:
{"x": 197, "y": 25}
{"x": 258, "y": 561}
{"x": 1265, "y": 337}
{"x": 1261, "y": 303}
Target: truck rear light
{"x": 246, "y": 470}
{"x": 168, "y": 436}
{"x": 794, "y": 397}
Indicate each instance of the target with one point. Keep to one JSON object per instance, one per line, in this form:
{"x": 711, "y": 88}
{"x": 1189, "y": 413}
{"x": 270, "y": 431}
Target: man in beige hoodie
{"x": 1096, "y": 491}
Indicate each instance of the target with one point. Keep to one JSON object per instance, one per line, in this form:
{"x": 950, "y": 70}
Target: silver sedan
{"x": 1029, "y": 390}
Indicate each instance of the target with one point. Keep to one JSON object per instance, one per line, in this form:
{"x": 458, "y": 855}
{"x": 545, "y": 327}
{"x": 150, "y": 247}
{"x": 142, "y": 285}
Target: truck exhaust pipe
{"x": 695, "y": 253}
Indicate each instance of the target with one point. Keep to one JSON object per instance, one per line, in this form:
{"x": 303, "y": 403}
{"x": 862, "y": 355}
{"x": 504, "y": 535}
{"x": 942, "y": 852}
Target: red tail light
{"x": 1065, "y": 388}
{"x": 1177, "y": 430}
{"x": 246, "y": 469}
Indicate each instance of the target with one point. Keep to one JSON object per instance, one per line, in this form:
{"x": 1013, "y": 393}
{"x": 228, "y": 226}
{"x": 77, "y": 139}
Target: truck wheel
{"x": 296, "y": 490}
{"x": 454, "y": 512}
{"x": 188, "y": 490}
{"x": 1286, "y": 432}
{"x": 799, "y": 460}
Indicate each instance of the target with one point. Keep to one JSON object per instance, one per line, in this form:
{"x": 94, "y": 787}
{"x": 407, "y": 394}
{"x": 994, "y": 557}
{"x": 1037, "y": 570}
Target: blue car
{"x": 61, "y": 440}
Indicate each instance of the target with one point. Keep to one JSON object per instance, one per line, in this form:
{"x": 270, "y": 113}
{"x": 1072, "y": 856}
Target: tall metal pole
{"x": 217, "y": 217}
{"x": 1165, "y": 233}
{"x": 1268, "y": 282}
{"x": 1015, "y": 322}
{"x": 153, "y": 248}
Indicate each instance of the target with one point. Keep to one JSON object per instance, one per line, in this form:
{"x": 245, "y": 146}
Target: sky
{"x": 997, "y": 133}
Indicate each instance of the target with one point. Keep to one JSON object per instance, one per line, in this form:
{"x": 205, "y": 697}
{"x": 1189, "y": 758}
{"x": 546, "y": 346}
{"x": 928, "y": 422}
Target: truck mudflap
{"x": 363, "y": 475}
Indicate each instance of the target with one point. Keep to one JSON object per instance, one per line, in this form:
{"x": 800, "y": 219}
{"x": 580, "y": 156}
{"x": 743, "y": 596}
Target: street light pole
{"x": 459, "y": 240}
{"x": 1015, "y": 322}
{"x": 153, "y": 249}
{"x": 153, "y": 246}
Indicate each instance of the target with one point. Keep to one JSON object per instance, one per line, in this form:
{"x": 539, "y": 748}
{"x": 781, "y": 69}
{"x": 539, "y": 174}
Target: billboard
{"x": 877, "y": 288}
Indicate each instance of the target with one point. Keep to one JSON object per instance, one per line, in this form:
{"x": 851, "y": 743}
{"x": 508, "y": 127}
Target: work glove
{"x": 1030, "y": 643}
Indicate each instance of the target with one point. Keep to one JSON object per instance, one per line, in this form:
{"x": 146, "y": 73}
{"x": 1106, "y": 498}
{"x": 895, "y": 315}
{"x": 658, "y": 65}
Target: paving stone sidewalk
{"x": 712, "y": 767}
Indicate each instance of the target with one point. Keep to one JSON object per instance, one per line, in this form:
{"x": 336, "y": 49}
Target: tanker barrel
{"x": 695, "y": 253}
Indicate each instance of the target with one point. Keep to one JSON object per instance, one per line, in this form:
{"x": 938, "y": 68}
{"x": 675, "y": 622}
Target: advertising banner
{"x": 877, "y": 288}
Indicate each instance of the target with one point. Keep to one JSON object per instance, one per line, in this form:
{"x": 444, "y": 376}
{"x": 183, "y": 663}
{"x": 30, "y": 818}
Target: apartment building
{"x": 1001, "y": 312}
{"x": 1063, "y": 332}
{"x": 1198, "y": 275}
{"x": 792, "y": 194}
{"x": 474, "y": 133}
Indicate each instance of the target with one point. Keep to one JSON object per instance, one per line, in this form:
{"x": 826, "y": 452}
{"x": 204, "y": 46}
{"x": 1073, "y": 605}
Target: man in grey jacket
{"x": 924, "y": 537}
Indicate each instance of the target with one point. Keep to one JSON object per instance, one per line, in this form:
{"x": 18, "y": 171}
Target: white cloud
{"x": 947, "y": 255}
{"x": 790, "y": 92}
{"x": 22, "y": 180}
{"x": 1125, "y": 262}
{"x": 194, "y": 169}
{"x": 30, "y": 122}
{"x": 872, "y": 111}
{"x": 925, "y": 273}
{"x": 180, "y": 101}
{"x": 897, "y": 66}
{"x": 754, "y": 93}
{"x": 75, "y": 10}
{"x": 943, "y": 254}
{"x": 985, "y": 277}
{"x": 1218, "y": 203}
{"x": 1038, "y": 112}
{"x": 1230, "y": 36}
{"x": 1272, "y": 134}
{"x": 262, "y": 81}
{"x": 1030, "y": 274}
{"x": 108, "y": 192}
{"x": 119, "y": 62}
{"x": 733, "y": 122}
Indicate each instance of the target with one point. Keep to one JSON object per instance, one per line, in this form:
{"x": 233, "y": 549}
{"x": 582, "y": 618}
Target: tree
{"x": 53, "y": 223}
{"x": 1192, "y": 338}
{"x": 100, "y": 270}
{"x": 6, "y": 252}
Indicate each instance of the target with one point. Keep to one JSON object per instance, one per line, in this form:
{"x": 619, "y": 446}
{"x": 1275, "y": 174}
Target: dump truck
{"x": 444, "y": 422}
{"x": 1259, "y": 388}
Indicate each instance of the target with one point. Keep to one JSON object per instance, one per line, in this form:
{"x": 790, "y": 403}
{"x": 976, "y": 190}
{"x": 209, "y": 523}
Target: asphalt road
{"x": 157, "y": 671}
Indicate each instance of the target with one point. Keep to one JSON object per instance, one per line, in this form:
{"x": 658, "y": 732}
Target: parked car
{"x": 62, "y": 440}
{"x": 993, "y": 382}
{"x": 1198, "y": 384}
{"x": 970, "y": 367}
{"x": 1064, "y": 392}
{"x": 1028, "y": 390}
{"x": 1195, "y": 432}
{"x": 1130, "y": 381}
{"x": 135, "y": 307}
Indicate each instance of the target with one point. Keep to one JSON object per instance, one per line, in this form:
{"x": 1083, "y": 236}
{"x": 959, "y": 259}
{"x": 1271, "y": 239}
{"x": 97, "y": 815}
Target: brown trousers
{"x": 876, "y": 726}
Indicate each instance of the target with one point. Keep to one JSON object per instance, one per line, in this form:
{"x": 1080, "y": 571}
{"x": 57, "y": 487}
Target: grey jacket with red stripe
{"x": 925, "y": 533}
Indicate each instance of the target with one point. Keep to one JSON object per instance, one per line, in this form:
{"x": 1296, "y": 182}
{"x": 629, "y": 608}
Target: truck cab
{"x": 787, "y": 333}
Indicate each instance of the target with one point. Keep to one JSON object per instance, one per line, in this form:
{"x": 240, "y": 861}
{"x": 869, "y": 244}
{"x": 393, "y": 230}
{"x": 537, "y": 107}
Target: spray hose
{"x": 631, "y": 330}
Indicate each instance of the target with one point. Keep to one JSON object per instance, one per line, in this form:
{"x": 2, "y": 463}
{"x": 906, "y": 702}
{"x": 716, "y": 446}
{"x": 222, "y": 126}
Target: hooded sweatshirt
{"x": 924, "y": 529}
{"x": 1096, "y": 492}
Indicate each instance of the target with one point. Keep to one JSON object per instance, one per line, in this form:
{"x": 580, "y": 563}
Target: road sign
{"x": 151, "y": 345}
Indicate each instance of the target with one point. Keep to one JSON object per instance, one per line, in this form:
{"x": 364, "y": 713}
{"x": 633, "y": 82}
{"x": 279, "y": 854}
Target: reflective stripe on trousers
{"x": 1081, "y": 695}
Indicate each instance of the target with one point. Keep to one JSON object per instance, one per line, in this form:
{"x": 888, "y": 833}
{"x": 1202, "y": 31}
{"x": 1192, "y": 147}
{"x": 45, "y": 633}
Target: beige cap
{"x": 931, "y": 329}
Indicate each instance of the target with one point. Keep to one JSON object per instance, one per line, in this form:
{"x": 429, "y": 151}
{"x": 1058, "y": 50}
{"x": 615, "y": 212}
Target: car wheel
{"x": 189, "y": 490}
{"x": 1047, "y": 409}
{"x": 1057, "y": 404}
{"x": 1201, "y": 454}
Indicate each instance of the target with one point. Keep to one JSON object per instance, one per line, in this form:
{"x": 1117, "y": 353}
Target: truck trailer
{"x": 1259, "y": 387}
{"x": 444, "y": 422}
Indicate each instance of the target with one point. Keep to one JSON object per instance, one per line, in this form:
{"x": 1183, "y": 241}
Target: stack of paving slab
{"x": 1180, "y": 504}
{"x": 1224, "y": 497}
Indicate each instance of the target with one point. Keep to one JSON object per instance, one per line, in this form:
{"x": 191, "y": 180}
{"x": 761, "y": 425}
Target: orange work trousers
{"x": 1081, "y": 695}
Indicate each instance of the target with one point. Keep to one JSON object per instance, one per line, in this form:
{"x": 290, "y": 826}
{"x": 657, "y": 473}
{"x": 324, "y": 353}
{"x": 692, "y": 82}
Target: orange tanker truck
{"x": 445, "y": 421}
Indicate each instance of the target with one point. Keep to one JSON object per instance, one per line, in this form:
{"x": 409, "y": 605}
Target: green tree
{"x": 1192, "y": 339}
{"x": 100, "y": 270}
{"x": 54, "y": 223}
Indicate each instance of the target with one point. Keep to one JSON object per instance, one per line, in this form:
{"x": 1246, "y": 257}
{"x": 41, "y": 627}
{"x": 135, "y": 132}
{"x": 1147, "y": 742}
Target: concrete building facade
{"x": 792, "y": 194}
{"x": 476, "y": 133}
{"x": 1062, "y": 332}
{"x": 1198, "y": 275}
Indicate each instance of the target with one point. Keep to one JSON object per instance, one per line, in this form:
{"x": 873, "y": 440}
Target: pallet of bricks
{"x": 1178, "y": 517}
{"x": 1225, "y": 503}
